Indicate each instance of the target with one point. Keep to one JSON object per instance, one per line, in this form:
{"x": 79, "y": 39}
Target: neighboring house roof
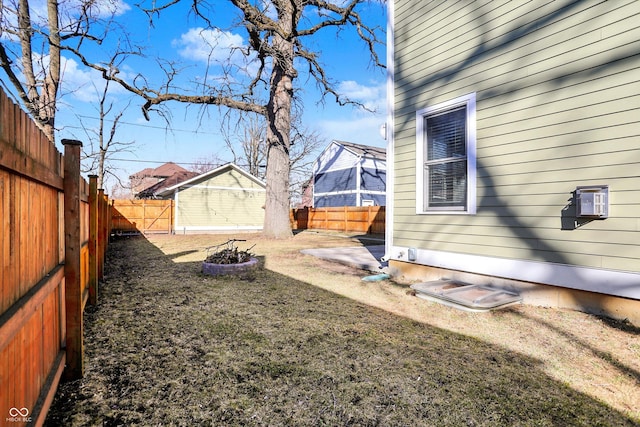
{"x": 162, "y": 171}
{"x": 149, "y": 177}
{"x": 343, "y": 154}
{"x": 364, "y": 150}
{"x": 143, "y": 173}
{"x": 176, "y": 178}
{"x": 205, "y": 175}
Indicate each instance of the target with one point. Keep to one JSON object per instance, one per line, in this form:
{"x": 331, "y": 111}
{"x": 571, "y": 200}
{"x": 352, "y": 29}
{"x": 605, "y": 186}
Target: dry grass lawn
{"x": 306, "y": 342}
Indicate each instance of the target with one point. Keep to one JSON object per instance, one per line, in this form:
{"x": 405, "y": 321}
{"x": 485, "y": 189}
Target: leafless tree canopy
{"x": 246, "y": 139}
{"x": 277, "y": 31}
{"x": 103, "y": 143}
{"x": 259, "y": 75}
{"x": 31, "y": 42}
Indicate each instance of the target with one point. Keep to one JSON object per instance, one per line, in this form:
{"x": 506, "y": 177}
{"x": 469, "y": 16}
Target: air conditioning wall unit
{"x": 592, "y": 201}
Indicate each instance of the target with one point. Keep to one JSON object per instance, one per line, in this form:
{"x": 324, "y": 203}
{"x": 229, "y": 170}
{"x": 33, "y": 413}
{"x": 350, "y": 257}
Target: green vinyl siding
{"x": 557, "y": 87}
{"x": 226, "y": 200}
{"x": 220, "y": 208}
{"x": 231, "y": 178}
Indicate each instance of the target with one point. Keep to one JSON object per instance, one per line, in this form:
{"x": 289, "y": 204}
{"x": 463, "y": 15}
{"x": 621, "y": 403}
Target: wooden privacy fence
{"x": 142, "y": 216}
{"x": 52, "y": 246}
{"x": 363, "y": 219}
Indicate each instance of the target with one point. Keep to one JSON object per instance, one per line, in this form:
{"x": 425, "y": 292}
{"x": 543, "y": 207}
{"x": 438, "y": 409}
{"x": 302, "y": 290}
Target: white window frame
{"x": 421, "y": 146}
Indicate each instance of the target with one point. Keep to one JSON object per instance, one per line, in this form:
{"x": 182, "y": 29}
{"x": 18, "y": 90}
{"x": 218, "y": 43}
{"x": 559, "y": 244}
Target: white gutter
{"x": 388, "y": 238}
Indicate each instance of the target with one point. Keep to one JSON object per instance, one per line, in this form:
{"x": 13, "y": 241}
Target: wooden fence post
{"x": 326, "y": 218}
{"x": 101, "y": 234}
{"x": 346, "y": 219}
{"x": 93, "y": 239}
{"x": 72, "y": 243}
{"x": 170, "y": 222}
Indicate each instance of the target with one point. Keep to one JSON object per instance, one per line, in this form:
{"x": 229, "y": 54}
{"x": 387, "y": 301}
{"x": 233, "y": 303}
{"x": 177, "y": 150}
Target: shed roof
{"x": 176, "y": 178}
{"x": 229, "y": 166}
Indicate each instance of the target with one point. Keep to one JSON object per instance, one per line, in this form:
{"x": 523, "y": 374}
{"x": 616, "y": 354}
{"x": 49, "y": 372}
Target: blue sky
{"x": 195, "y": 134}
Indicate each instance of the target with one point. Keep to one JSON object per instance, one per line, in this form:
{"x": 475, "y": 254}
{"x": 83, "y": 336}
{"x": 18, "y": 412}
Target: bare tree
{"x": 103, "y": 143}
{"x": 205, "y": 164}
{"x": 35, "y": 75}
{"x": 306, "y": 144}
{"x": 120, "y": 190}
{"x": 31, "y": 46}
{"x": 277, "y": 32}
{"x": 247, "y": 143}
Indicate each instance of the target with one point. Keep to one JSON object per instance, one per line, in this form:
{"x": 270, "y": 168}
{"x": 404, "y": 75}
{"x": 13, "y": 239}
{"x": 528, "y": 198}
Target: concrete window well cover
{"x": 466, "y": 296}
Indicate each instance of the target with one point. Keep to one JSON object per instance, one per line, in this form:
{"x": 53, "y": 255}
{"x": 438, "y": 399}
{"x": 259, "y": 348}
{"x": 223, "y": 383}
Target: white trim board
{"x": 213, "y": 187}
{"x": 390, "y": 130}
{"x": 179, "y": 229}
{"x": 610, "y": 282}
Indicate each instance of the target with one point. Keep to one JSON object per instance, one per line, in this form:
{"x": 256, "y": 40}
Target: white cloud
{"x": 78, "y": 82}
{"x": 98, "y": 8}
{"x": 68, "y": 10}
{"x": 84, "y": 84}
{"x": 373, "y": 97}
{"x": 351, "y": 123}
{"x": 209, "y": 45}
{"x": 360, "y": 129}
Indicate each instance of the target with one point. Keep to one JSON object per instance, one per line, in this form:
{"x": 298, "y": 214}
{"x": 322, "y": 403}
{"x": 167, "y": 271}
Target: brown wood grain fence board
{"x": 13, "y": 159}
{"x": 33, "y": 259}
{"x": 363, "y": 219}
{"x": 93, "y": 239}
{"x": 72, "y": 261}
{"x": 143, "y": 216}
{"x": 13, "y": 319}
{"x": 103, "y": 230}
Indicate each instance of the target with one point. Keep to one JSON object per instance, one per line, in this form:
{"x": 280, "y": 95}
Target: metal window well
{"x": 465, "y": 296}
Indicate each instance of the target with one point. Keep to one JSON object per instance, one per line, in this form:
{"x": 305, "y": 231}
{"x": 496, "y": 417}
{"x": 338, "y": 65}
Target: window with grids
{"x": 446, "y": 170}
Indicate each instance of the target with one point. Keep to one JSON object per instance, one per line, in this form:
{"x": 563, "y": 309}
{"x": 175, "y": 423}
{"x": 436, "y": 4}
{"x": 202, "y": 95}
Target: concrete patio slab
{"x": 362, "y": 257}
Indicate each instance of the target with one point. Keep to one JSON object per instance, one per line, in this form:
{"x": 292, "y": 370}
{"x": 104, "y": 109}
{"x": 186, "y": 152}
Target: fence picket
{"x": 363, "y": 219}
{"x": 33, "y": 258}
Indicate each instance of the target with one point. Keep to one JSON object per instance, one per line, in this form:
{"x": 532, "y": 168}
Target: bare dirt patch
{"x": 305, "y": 342}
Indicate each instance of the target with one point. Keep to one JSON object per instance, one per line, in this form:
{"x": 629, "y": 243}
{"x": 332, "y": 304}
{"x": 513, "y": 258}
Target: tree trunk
{"x": 276, "y": 219}
{"x": 277, "y": 206}
{"x": 102, "y": 156}
{"x": 52, "y": 76}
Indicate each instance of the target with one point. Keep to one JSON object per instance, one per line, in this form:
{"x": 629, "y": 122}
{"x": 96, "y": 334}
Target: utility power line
{"x": 163, "y": 162}
{"x": 181, "y": 163}
{"x": 167, "y": 128}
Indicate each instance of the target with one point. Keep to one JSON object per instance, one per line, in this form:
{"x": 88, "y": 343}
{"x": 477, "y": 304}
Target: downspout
{"x": 389, "y": 130}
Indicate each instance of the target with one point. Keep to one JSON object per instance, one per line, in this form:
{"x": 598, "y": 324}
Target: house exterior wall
{"x": 335, "y": 157}
{"x": 341, "y": 178}
{"x": 372, "y": 179}
{"x": 335, "y": 200}
{"x": 557, "y": 104}
{"x": 228, "y": 201}
{"x": 336, "y": 180}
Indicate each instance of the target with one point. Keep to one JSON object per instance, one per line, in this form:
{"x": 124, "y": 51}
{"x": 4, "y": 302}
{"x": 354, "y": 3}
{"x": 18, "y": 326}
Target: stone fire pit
{"x": 228, "y": 260}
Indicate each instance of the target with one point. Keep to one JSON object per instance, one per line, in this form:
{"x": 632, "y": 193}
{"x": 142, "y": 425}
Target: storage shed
{"x": 348, "y": 174}
{"x": 224, "y": 199}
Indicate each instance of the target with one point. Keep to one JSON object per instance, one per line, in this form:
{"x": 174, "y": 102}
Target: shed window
{"x": 446, "y": 157}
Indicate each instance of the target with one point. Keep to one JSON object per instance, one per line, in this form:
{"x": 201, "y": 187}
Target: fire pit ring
{"x": 213, "y": 269}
